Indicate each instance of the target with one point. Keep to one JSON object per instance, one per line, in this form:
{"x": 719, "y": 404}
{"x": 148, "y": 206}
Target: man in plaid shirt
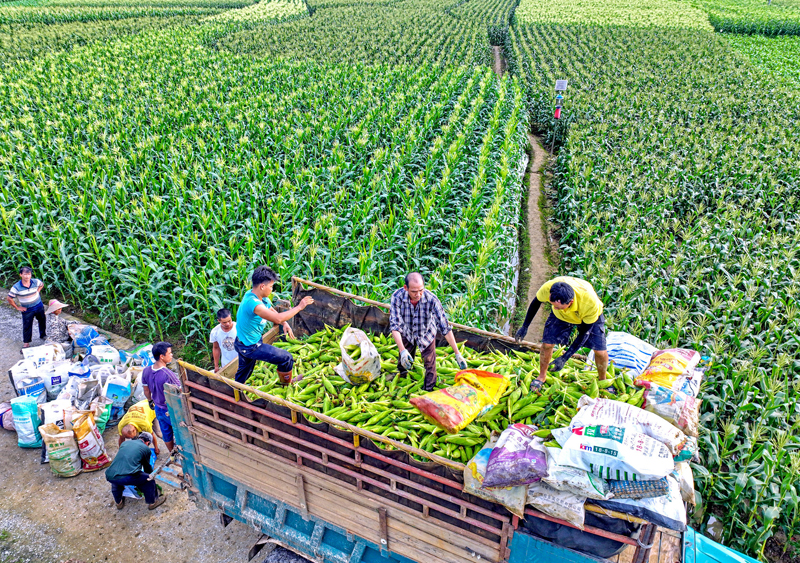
{"x": 415, "y": 317}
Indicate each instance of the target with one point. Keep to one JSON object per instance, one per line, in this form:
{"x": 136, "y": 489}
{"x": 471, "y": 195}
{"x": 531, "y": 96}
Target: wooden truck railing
{"x": 327, "y": 491}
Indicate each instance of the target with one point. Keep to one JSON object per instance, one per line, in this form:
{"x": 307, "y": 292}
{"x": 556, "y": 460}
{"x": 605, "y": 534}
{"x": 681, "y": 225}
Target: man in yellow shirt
{"x": 142, "y": 418}
{"x": 575, "y": 304}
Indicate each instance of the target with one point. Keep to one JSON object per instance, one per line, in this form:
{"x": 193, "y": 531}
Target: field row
{"x": 166, "y": 178}
{"x": 665, "y": 200}
{"x": 404, "y": 32}
{"x": 65, "y": 11}
{"x": 628, "y": 13}
{"x": 776, "y": 17}
{"x": 777, "y": 56}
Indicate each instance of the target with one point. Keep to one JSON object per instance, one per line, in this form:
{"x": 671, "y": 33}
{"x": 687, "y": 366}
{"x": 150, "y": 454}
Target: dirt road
{"x": 540, "y": 267}
{"x": 45, "y": 519}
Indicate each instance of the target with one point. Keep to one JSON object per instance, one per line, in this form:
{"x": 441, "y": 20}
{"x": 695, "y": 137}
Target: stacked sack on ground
{"x": 64, "y": 406}
{"x": 613, "y": 455}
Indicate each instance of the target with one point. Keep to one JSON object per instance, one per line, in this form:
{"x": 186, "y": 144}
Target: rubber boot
{"x": 285, "y": 377}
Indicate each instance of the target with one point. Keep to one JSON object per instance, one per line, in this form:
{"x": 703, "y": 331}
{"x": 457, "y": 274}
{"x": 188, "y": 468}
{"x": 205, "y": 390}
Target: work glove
{"x": 462, "y": 363}
{"x": 523, "y": 330}
{"x": 406, "y": 360}
{"x": 557, "y": 364}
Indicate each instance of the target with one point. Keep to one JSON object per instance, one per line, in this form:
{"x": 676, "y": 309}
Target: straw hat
{"x": 54, "y": 305}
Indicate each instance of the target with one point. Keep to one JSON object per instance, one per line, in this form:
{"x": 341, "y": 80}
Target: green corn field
{"x": 153, "y": 153}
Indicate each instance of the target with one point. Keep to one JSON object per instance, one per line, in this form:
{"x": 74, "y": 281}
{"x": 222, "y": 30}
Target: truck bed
{"x": 326, "y": 490}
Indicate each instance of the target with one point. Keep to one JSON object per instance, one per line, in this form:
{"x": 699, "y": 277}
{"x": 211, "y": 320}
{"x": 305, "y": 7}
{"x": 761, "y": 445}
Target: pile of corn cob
{"x": 383, "y": 406}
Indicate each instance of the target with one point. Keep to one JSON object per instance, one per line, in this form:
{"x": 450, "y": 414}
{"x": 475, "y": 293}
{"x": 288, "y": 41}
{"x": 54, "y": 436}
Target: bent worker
{"x": 251, "y": 318}
{"x": 58, "y": 327}
{"x": 416, "y": 316}
{"x": 575, "y": 304}
{"x": 153, "y": 380}
{"x": 139, "y": 418}
{"x": 131, "y": 466}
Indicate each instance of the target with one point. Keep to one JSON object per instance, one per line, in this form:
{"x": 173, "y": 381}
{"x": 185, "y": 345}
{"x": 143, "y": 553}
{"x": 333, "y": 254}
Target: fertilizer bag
{"x": 559, "y": 504}
{"x": 55, "y": 378}
{"x": 82, "y": 335}
{"x": 666, "y": 511}
{"x": 44, "y": 354}
{"x": 101, "y": 409}
{"x": 52, "y": 413}
{"x": 593, "y": 412}
{"x": 453, "y": 408}
{"x": 519, "y": 458}
{"x": 361, "y": 362}
{"x": 679, "y": 409}
{"x": 627, "y": 351}
{"x": 106, "y": 354}
{"x": 87, "y": 390}
{"x": 90, "y": 442}
{"x": 26, "y": 420}
{"x": 615, "y": 452}
{"x": 6, "y": 417}
{"x": 141, "y": 355}
{"x": 572, "y": 480}
{"x": 118, "y": 389}
{"x": 513, "y": 498}
{"x": 62, "y": 450}
{"x": 667, "y": 366}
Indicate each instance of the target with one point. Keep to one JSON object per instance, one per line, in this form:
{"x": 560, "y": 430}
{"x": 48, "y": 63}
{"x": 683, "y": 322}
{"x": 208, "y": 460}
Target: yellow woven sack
{"x": 453, "y": 408}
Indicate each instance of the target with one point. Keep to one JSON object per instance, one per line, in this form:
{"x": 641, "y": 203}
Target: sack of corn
{"x": 572, "y": 480}
{"x": 616, "y": 452}
{"x": 453, "y": 408}
{"x": 513, "y": 498}
{"x": 519, "y": 458}
{"x": 679, "y": 409}
{"x": 361, "y": 362}
{"x": 667, "y": 366}
{"x": 593, "y": 412}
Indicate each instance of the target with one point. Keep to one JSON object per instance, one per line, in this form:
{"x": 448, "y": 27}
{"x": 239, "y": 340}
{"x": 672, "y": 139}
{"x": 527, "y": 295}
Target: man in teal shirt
{"x": 251, "y": 319}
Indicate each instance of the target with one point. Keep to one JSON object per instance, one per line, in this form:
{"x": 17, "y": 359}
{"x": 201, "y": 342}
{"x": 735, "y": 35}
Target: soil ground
{"x": 539, "y": 266}
{"x": 499, "y": 65}
{"x": 46, "y": 519}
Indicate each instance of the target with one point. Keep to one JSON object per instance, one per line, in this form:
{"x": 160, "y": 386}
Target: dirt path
{"x": 539, "y": 267}
{"x": 47, "y": 519}
{"x": 499, "y": 64}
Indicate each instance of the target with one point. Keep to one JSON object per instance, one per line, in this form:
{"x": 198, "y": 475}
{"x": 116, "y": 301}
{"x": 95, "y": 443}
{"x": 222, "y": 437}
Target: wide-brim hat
{"x": 54, "y": 305}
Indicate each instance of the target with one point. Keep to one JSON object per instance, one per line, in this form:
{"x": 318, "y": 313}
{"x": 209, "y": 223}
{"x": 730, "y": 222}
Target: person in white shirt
{"x": 222, "y": 338}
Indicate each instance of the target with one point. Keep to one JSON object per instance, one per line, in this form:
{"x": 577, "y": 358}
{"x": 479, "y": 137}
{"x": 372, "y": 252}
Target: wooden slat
{"x": 281, "y": 471}
{"x": 328, "y": 453}
{"x": 342, "y": 505}
{"x": 494, "y": 335}
{"x": 410, "y": 495}
{"x": 667, "y": 548}
{"x": 324, "y": 418}
{"x": 351, "y": 514}
{"x": 354, "y": 443}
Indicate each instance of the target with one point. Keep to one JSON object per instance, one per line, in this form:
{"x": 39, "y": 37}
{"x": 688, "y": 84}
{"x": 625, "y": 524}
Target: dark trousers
{"x": 137, "y": 480}
{"x": 27, "y": 323}
{"x": 428, "y": 360}
{"x": 249, "y": 355}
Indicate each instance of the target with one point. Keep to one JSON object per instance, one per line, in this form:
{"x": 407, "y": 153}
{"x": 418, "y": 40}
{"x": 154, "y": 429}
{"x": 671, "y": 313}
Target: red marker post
{"x": 561, "y": 86}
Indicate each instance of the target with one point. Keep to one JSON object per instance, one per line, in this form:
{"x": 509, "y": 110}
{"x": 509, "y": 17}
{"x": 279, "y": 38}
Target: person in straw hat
{"x": 57, "y": 331}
